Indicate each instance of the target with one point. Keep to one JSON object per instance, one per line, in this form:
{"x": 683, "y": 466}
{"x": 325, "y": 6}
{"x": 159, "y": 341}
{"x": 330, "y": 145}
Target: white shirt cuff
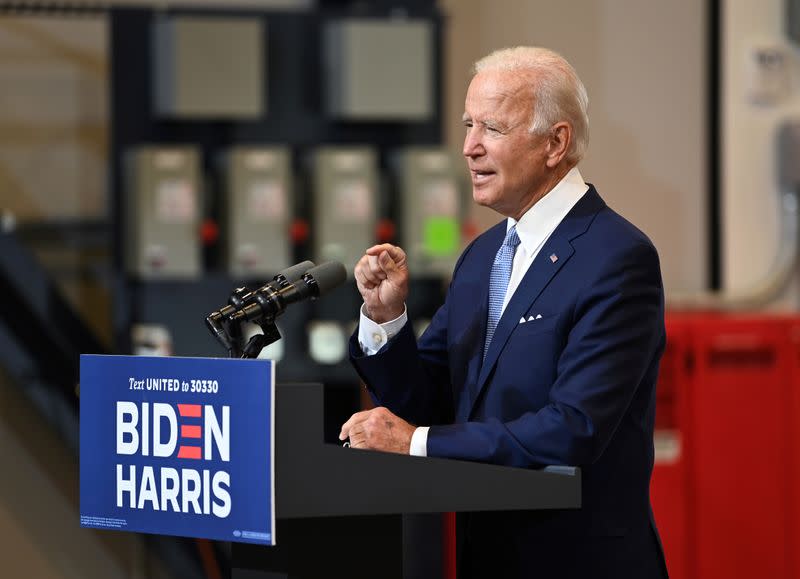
{"x": 419, "y": 442}
{"x": 373, "y": 336}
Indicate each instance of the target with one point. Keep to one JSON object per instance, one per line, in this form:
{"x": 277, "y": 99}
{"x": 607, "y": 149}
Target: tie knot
{"x": 512, "y": 239}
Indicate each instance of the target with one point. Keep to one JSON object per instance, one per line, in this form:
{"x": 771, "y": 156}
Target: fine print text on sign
{"x": 178, "y": 446}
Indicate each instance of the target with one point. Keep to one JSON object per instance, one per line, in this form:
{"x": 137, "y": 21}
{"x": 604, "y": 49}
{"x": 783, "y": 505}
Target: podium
{"x": 344, "y": 512}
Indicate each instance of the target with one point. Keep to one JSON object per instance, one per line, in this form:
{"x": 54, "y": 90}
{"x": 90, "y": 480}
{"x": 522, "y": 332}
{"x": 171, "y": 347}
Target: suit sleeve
{"x": 410, "y": 379}
{"x": 414, "y": 387}
{"x": 615, "y": 337}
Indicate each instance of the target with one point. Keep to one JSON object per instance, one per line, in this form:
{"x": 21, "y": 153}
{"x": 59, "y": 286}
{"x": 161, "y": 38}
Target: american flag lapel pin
{"x": 553, "y": 257}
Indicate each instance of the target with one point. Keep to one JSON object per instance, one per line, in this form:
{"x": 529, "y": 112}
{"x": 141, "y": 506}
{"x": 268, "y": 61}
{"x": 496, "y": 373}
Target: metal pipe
{"x": 768, "y": 289}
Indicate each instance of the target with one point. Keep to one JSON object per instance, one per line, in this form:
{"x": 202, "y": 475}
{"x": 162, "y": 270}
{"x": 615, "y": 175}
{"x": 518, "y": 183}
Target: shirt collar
{"x": 543, "y": 217}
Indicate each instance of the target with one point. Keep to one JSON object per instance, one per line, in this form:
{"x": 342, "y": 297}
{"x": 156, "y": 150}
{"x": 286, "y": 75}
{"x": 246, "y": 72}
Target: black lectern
{"x": 340, "y": 510}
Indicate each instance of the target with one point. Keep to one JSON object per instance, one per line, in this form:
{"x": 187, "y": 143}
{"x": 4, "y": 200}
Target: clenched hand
{"x": 382, "y": 278}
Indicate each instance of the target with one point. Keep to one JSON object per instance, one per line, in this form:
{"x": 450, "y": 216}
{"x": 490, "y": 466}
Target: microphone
{"x": 242, "y": 296}
{"x": 270, "y": 302}
{"x": 290, "y": 274}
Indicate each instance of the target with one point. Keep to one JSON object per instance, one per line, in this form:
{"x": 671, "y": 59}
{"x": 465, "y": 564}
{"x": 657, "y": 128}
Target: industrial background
{"x": 156, "y": 155}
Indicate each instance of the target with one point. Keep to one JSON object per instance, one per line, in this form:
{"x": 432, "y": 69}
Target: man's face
{"x": 507, "y": 162}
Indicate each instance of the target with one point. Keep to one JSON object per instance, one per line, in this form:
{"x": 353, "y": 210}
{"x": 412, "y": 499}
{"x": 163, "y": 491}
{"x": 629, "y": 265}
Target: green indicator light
{"x": 440, "y": 236}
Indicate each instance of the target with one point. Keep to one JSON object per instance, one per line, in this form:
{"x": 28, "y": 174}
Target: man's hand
{"x": 382, "y": 278}
{"x": 378, "y": 429}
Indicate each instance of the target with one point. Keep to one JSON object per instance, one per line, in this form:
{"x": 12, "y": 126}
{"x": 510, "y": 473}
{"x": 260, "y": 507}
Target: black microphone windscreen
{"x": 328, "y": 275}
{"x": 296, "y": 271}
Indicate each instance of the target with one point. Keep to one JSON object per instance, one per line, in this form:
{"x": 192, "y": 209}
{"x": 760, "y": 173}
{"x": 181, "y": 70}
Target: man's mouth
{"x": 479, "y": 177}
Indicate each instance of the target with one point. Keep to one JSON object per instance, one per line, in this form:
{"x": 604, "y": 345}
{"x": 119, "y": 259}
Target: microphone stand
{"x": 299, "y": 282}
{"x": 260, "y": 341}
{"x": 229, "y": 333}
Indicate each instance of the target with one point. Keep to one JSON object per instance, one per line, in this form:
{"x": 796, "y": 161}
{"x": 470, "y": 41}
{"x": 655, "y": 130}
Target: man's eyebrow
{"x": 489, "y": 123}
{"x": 485, "y": 122}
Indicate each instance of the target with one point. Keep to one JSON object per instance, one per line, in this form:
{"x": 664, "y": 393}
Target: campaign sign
{"x": 178, "y": 446}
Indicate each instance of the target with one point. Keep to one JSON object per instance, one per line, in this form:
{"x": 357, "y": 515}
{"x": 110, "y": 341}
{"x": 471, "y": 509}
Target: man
{"x": 546, "y": 349}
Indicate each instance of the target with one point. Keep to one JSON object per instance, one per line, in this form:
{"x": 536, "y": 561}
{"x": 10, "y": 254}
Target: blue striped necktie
{"x": 498, "y": 283}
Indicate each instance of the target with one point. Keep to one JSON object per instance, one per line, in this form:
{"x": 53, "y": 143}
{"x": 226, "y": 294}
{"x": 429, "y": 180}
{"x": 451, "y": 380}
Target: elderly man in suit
{"x": 546, "y": 348}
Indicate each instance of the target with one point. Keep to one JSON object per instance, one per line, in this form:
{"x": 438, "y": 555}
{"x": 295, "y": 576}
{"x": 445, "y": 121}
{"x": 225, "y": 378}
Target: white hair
{"x": 559, "y": 95}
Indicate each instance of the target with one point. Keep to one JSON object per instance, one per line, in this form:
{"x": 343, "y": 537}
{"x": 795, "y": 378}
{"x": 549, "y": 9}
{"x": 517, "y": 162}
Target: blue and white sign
{"x": 178, "y": 446}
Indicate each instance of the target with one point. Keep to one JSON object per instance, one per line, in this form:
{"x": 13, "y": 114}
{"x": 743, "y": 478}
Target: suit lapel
{"x": 539, "y": 274}
{"x": 480, "y": 311}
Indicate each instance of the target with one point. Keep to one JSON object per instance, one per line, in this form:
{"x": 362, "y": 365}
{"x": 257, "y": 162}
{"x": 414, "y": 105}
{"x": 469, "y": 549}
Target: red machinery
{"x": 726, "y": 501}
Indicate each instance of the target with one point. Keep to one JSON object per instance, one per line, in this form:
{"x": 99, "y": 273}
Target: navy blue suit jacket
{"x": 572, "y": 385}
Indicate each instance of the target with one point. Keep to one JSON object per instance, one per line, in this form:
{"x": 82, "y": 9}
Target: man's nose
{"x": 472, "y": 145}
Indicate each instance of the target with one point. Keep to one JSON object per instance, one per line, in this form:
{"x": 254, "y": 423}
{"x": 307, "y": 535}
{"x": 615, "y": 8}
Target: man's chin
{"x": 483, "y": 197}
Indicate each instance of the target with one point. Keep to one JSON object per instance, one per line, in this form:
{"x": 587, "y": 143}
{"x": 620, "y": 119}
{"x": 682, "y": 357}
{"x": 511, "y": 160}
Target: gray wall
{"x": 643, "y": 64}
{"x": 53, "y": 117}
{"x": 751, "y": 206}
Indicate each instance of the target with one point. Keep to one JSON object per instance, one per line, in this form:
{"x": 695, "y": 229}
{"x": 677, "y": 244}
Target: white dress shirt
{"x": 534, "y": 229}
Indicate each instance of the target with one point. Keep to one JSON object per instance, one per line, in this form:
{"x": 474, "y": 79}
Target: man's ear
{"x": 558, "y": 144}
